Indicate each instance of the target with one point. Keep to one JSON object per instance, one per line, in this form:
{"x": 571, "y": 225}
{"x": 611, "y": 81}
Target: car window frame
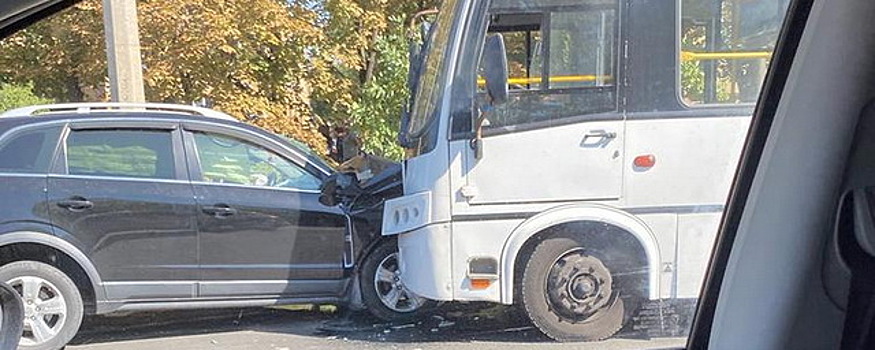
{"x": 59, "y": 166}
{"x": 193, "y": 163}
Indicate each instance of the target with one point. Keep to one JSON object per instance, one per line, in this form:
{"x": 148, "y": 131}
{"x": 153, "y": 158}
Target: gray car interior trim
{"x": 772, "y": 295}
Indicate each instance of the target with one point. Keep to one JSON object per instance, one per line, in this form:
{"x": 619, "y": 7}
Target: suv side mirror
{"x": 495, "y": 68}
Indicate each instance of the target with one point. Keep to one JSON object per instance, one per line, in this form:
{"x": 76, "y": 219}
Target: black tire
{"x": 62, "y": 316}
{"x": 374, "y": 292}
{"x": 568, "y": 293}
{"x": 11, "y": 316}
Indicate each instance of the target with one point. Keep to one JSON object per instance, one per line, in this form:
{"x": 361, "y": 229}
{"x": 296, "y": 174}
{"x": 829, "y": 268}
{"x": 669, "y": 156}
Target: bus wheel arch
{"x": 595, "y": 226}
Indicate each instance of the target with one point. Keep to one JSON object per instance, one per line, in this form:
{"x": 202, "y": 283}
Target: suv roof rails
{"x": 84, "y": 108}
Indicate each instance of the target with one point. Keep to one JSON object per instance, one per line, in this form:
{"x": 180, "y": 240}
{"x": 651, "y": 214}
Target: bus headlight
{"x": 406, "y": 213}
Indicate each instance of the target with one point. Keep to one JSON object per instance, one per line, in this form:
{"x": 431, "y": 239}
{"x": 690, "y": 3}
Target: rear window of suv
{"x": 29, "y": 151}
{"x": 120, "y": 153}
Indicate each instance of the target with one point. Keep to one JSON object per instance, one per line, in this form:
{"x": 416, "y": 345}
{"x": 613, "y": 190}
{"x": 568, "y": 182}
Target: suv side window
{"x": 138, "y": 153}
{"x": 225, "y": 159}
{"x": 29, "y": 151}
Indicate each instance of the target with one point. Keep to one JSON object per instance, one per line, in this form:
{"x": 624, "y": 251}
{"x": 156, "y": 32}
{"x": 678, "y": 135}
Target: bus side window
{"x": 522, "y": 39}
{"x": 561, "y": 63}
{"x": 581, "y": 49}
{"x": 726, "y": 47}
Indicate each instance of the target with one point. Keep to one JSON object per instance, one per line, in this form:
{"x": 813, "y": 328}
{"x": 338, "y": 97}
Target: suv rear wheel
{"x": 53, "y": 306}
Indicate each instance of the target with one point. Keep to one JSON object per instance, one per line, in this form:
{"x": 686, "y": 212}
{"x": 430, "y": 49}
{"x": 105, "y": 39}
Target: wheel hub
{"x": 583, "y": 286}
{"x": 29, "y": 309}
{"x": 579, "y": 286}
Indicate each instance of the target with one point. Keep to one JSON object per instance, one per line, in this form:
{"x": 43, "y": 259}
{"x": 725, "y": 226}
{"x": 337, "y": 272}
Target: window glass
{"x": 428, "y": 90}
{"x": 561, "y": 62}
{"x": 726, "y": 47}
{"x": 228, "y": 160}
{"x": 581, "y": 48}
{"x": 524, "y": 45}
{"x": 128, "y": 153}
{"x": 29, "y": 151}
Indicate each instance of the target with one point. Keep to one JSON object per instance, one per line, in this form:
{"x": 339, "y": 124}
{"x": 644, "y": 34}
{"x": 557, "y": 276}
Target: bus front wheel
{"x": 568, "y": 293}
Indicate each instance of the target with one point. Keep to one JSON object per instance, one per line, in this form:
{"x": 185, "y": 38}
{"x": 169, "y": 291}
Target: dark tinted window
{"x": 128, "y": 153}
{"x": 28, "y": 151}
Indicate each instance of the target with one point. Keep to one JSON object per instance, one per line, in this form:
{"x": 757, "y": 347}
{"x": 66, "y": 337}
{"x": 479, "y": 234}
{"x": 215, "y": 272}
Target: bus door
{"x": 560, "y": 135}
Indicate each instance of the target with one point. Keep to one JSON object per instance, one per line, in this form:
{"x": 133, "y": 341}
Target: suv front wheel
{"x": 53, "y": 306}
{"x": 383, "y": 292}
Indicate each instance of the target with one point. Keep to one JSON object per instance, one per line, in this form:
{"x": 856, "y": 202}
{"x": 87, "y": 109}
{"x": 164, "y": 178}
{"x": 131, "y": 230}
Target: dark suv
{"x": 112, "y": 207}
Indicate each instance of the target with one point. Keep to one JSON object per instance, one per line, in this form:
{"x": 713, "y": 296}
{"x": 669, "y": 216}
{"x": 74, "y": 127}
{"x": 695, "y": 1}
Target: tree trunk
{"x": 74, "y": 92}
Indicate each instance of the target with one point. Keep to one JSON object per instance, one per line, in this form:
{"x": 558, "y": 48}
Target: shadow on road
{"x": 450, "y": 323}
{"x": 149, "y": 325}
{"x": 453, "y": 322}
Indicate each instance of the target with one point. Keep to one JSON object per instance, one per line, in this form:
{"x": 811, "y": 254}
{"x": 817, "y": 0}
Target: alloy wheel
{"x": 391, "y": 290}
{"x": 45, "y": 309}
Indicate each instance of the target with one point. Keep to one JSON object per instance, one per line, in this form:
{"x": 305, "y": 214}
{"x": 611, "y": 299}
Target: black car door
{"x": 121, "y": 191}
{"x": 262, "y": 231}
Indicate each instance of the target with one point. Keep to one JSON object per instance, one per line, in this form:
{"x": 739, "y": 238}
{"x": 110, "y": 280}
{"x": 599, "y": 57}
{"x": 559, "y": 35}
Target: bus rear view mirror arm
{"x": 495, "y": 73}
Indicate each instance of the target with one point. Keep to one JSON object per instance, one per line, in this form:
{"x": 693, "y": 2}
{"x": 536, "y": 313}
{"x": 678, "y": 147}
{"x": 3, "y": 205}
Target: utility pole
{"x": 123, "y": 50}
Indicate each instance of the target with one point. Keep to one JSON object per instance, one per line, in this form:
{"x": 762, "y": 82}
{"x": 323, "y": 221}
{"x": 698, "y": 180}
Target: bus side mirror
{"x": 495, "y": 68}
{"x": 495, "y": 73}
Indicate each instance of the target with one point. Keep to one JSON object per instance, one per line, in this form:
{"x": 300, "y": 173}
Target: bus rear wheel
{"x": 569, "y": 294}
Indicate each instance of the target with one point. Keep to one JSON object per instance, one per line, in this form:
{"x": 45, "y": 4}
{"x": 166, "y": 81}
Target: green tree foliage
{"x": 14, "y": 96}
{"x": 64, "y": 57}
{"x": 692, "y": 72}
{"x": 288, "y": 66}
{"x": 253, "y": 59}
{"x": 377, "y": 112}
{"x": 368, "y": 50}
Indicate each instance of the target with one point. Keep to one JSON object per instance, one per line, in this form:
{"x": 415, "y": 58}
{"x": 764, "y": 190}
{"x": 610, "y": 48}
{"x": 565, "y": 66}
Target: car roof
{"x": 111, "y": 115}
{"x": 10, "y": 121}
{"x": 101, "y": 107}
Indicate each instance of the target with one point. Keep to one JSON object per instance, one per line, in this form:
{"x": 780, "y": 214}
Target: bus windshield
{"x": 428, "y": 90}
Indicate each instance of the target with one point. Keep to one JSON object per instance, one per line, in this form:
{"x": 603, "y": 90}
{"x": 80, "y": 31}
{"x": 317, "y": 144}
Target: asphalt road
{"x": 277, "y": 329}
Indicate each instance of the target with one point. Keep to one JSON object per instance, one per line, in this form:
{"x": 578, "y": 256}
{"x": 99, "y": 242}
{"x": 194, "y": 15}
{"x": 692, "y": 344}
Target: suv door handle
{"x": 219, "y": 210}
{"x": 76, "y": 204}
